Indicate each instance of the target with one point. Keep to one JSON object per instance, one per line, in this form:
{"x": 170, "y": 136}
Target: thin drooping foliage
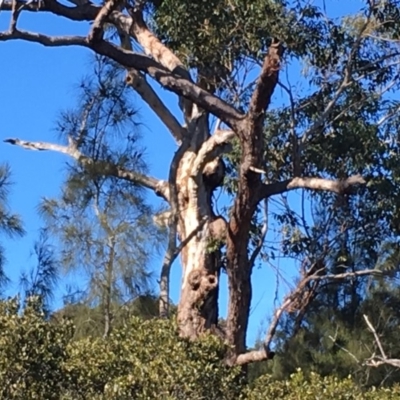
{"x": 10, "y": 223}
{"x": 102, "y": 225}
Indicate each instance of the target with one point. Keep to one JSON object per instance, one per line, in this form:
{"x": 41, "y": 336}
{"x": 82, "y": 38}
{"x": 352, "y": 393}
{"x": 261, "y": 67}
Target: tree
{"x": 104, "y": 229}
{"x": 335, "y": 136}
{"x": 326, "y": 333}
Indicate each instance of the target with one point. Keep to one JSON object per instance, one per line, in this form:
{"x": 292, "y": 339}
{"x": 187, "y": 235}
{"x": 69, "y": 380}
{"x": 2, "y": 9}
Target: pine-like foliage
{"x": 10, "y": 223}
{"x": 103, "y": 226}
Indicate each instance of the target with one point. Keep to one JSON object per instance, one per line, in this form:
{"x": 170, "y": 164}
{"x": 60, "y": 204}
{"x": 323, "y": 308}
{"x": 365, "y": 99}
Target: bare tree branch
{"x": 84, "y": 12}
{"x": 330, "y": 185}
{"x": 173, "y": 77}
{"x": 290, "y": 299}
{"x": 171, "y": 252}
{"x": 138, "y": 82}
{"x": 97, "y": 31}
{"x": 376, "y": 361}
{"x": 170, "y": 256}
{"x": 344, "y": 349}
{"x": 146, "y": 92}
{"x": 161, "y": 53}
{"x": 104, "y": 167}
{"x": 45, "y": 40}
{"x": 14, "y": 16}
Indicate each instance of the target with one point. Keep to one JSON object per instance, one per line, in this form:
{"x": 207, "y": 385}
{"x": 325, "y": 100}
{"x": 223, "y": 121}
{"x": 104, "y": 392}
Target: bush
{"x": 314, "y": 388}
{"x": 141, "y": 360}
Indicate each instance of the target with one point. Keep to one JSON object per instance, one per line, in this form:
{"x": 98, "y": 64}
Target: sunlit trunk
{"x": 204, "y": 233}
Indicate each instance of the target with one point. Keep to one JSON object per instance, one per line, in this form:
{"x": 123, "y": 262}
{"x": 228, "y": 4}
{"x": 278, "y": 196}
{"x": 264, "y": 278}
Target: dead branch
{"x": 375, "y": 360}
{"x": 336, "y": 186}
{"x": 103, "y": 167}
{"x": 344, "y": 349}
{"x": 87, "y": 11}
{"x": 290, "y": 299}
{"x": 45, "y": 40}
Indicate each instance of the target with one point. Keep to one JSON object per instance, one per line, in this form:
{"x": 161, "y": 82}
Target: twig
{"x": 345, "y": 350}
{"x": 377, "y": 341}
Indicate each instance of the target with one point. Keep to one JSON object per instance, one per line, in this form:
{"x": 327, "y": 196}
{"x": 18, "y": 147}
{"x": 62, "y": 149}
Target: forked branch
{"x": 173, "y": 221}
{"x": 211, "y": 149}
{"x": 291, "y": 299}
{"x": 375, "y": 360}
{"x": 159, "y": 52}
{"x": 164, "y": 66}
{"x": 97, "y": 31}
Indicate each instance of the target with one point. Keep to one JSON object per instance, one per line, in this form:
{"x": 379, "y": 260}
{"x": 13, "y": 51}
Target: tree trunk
{"x": 108, "y": 288}
{"x": 204, "y": 232}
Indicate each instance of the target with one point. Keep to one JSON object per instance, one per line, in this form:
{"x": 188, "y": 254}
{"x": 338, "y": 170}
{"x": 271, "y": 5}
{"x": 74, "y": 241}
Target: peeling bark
{"x": 198, "y": 306}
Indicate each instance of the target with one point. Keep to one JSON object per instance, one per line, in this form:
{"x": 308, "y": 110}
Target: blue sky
{"x": 36, "y": 84}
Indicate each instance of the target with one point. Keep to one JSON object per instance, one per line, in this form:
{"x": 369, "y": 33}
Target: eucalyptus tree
{"x": 335, "y": 130}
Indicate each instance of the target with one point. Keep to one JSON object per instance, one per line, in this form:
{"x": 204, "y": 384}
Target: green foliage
{"x": 41, "y": 280}
{"x": 32, "y": 352}
{"x": 103, "y": 225}
{"x": 140, "y": 360}
{"x": 39, "y": 359}
{"x": 89, "y": 321}
{"x": 10, "y": 223}
{"x": 146, "y": 360}
{"x": 298, "y": 387}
